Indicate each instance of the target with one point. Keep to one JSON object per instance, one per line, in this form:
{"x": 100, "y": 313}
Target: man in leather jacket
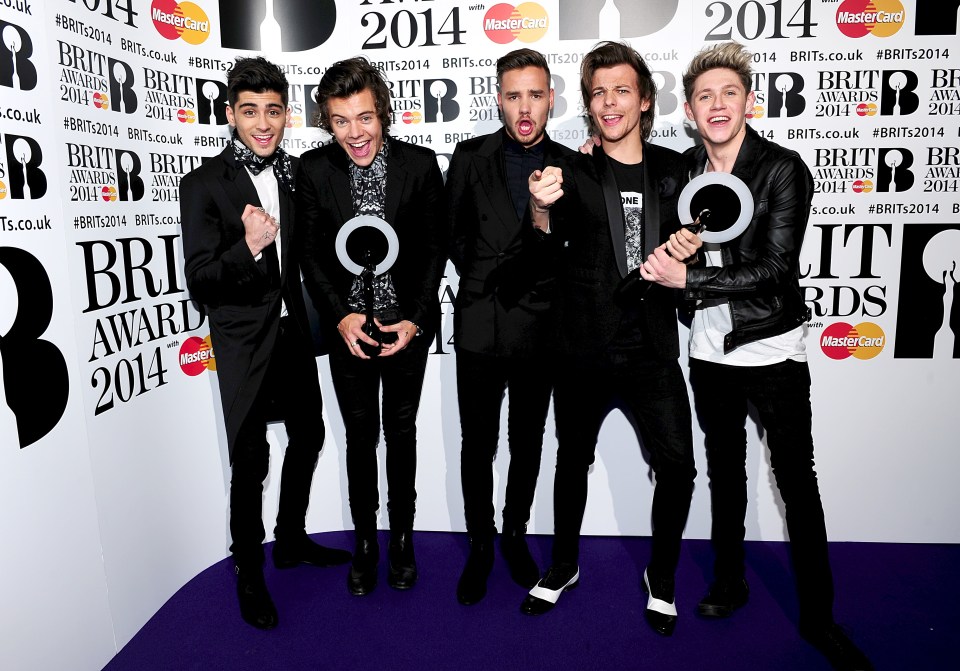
{"x": 746, "y": 345}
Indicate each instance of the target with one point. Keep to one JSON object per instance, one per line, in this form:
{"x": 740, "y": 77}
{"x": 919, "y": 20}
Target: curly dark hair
{"x": 347, "y": 78}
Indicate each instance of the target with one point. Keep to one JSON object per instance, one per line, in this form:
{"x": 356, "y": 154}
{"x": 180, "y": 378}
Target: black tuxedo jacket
{"x": 415, "y": 207}
{"x": 586, "y": 221}
{"x": 505, "y": 280}
{"x": 241, "y": 296}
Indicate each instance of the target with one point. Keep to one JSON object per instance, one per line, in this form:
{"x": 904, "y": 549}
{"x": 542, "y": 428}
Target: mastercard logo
{"x": 862, "y": 186}
{"x": 196, "y": 356}
{"x": 3, "y": 190}
{"x": 108, "y": 193}
{"x": 296, "y": 121}
{"x": 863, "y": 341}
{"x": 186, "y": 116}
{"x": 412, "y": 117}
{"x": 756, "y": 113}
{"x": 101, "y": 100}
{"x": 183, "y": 20}
{"x": 881, "y": 18}
{"x": 527, "y": 22}
{"x": 866, "y": 109}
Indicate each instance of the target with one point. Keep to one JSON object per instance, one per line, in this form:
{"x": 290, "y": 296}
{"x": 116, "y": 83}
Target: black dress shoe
{"x": 472, "y": 586}
{"x": 362, "y": 578}
{"x": 545, "y": 593}
{"x": 523, "y": 570}
{"x": 837, "y": 647}
{"x": 403, "y": 563}
{"x": 724, "y": 597}
{"x": 256, "y": 606}
{"x": 661, "y": 610}
{"x": 288, "y": 552}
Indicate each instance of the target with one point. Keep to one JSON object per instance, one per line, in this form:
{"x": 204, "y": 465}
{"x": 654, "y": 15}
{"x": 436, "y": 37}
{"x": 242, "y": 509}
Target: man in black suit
{"x": 239, "y": 266}
{"x": 617, "y": 336}
{"x": 501, "y": 324}
{"x": 365, "y": 172}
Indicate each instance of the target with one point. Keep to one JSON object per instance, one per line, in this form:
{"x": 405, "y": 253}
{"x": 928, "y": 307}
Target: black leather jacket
{"x": 760, "y": 275}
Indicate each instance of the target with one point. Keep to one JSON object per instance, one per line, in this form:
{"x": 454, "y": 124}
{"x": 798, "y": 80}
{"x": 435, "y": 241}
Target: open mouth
{"x": 525, "y": 127}
{"x": 360, "y": 149}
{"x": 718, "y": 119}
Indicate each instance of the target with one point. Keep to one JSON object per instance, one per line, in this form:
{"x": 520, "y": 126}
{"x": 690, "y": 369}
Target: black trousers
{"x": 781, "y": 395}
{"x": 481, "y": 382}
{"x": 654, "y": 393}
{"x": 357, "y": 385}
{"x": 290, "y": 385}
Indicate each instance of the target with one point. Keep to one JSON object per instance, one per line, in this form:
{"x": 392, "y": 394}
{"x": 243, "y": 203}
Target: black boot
{"x": 290, "y": 551}
{"x": 513, "y": 545}
{"x": 256, "y": 606}
{"x": 362, "y": 578}
{"x": 403, "y": 564}
{"x": 472, "y": 586}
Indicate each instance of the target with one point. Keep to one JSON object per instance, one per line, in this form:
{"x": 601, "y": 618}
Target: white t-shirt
{"x": 712, "y": 322}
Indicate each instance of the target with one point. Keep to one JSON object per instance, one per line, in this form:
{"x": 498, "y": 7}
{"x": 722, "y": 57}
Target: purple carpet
{"x": 898, "y": 602}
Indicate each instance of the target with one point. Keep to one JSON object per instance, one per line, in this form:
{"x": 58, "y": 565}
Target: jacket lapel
{"x": 489, "y": 162}
{"x": 396, "y": 177}
{"x": 614, "y": 207}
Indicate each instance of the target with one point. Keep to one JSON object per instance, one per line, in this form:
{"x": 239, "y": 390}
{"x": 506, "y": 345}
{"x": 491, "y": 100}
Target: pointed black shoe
{"x": 523, "y": 569}
{"x": 403, "y": 563}
{"x": 472, "y": 586}
{"x": 289, "y": 552}
{"x": 362, "y": 578}
{"x": 256, "y": 606}
{"x": 544, "y": 595}
{"x": 836, "y": 646}
{"x": 724, "y": 597}
{"x": 661, "y": 610}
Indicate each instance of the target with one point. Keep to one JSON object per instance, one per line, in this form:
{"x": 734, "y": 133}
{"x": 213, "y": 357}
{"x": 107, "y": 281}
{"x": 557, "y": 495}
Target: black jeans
{"x": 481, "y": 381}
{"x": 781, "y": 395}
{"x": 654, "y": 393}
{"x": 357, "y": 385}
{"x": 292, "y": 386}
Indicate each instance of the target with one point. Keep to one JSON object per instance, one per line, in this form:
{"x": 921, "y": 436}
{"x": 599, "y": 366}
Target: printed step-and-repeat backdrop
{"x": 113, "y": 470}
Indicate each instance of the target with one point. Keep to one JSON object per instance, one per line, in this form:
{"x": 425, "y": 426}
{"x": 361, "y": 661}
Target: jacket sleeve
{"x": 459, "y": 215}
{"x": 431, "y": 258}
{"x": 317, "y": 234}
{"x": 769, "y": 251}
{"x": 218, "y": 265}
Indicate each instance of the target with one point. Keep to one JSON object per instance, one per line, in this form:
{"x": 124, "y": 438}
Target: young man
{"x": 239, "y": 266}
{"x": 746, "y": 345}
{"x": 617, "y": 341}
{"x": 501, "y": 326}
{"x": 366, "y": 172}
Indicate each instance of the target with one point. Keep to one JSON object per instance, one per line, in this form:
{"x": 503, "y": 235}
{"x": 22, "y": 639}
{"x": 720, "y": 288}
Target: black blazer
{"x": 241, "y": 297}
{"x": 505, "y": 281}
{"x": 585, "y": 221}
{"x": 415, "y": 207}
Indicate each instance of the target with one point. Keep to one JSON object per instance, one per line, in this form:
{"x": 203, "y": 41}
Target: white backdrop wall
{"x": 113, "y": 471}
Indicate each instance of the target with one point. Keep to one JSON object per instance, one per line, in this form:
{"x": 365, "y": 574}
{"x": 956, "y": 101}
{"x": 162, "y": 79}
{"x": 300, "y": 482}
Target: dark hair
{"x": 519, "y": 59}
{"x": 729, "y": 55}
{"x": 607, "y": 55}
{"x": 348, "y": 78}
{"x": 257, "y": 75}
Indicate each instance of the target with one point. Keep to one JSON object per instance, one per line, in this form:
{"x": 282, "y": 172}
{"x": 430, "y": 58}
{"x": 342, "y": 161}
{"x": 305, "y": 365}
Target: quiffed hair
{"x": 728, "y": 55}
{"x": 257, "y": 75}
{"x": 608, "y": 55}
{"x": 347, "y": 78}
{"x": 519, "y": 59}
